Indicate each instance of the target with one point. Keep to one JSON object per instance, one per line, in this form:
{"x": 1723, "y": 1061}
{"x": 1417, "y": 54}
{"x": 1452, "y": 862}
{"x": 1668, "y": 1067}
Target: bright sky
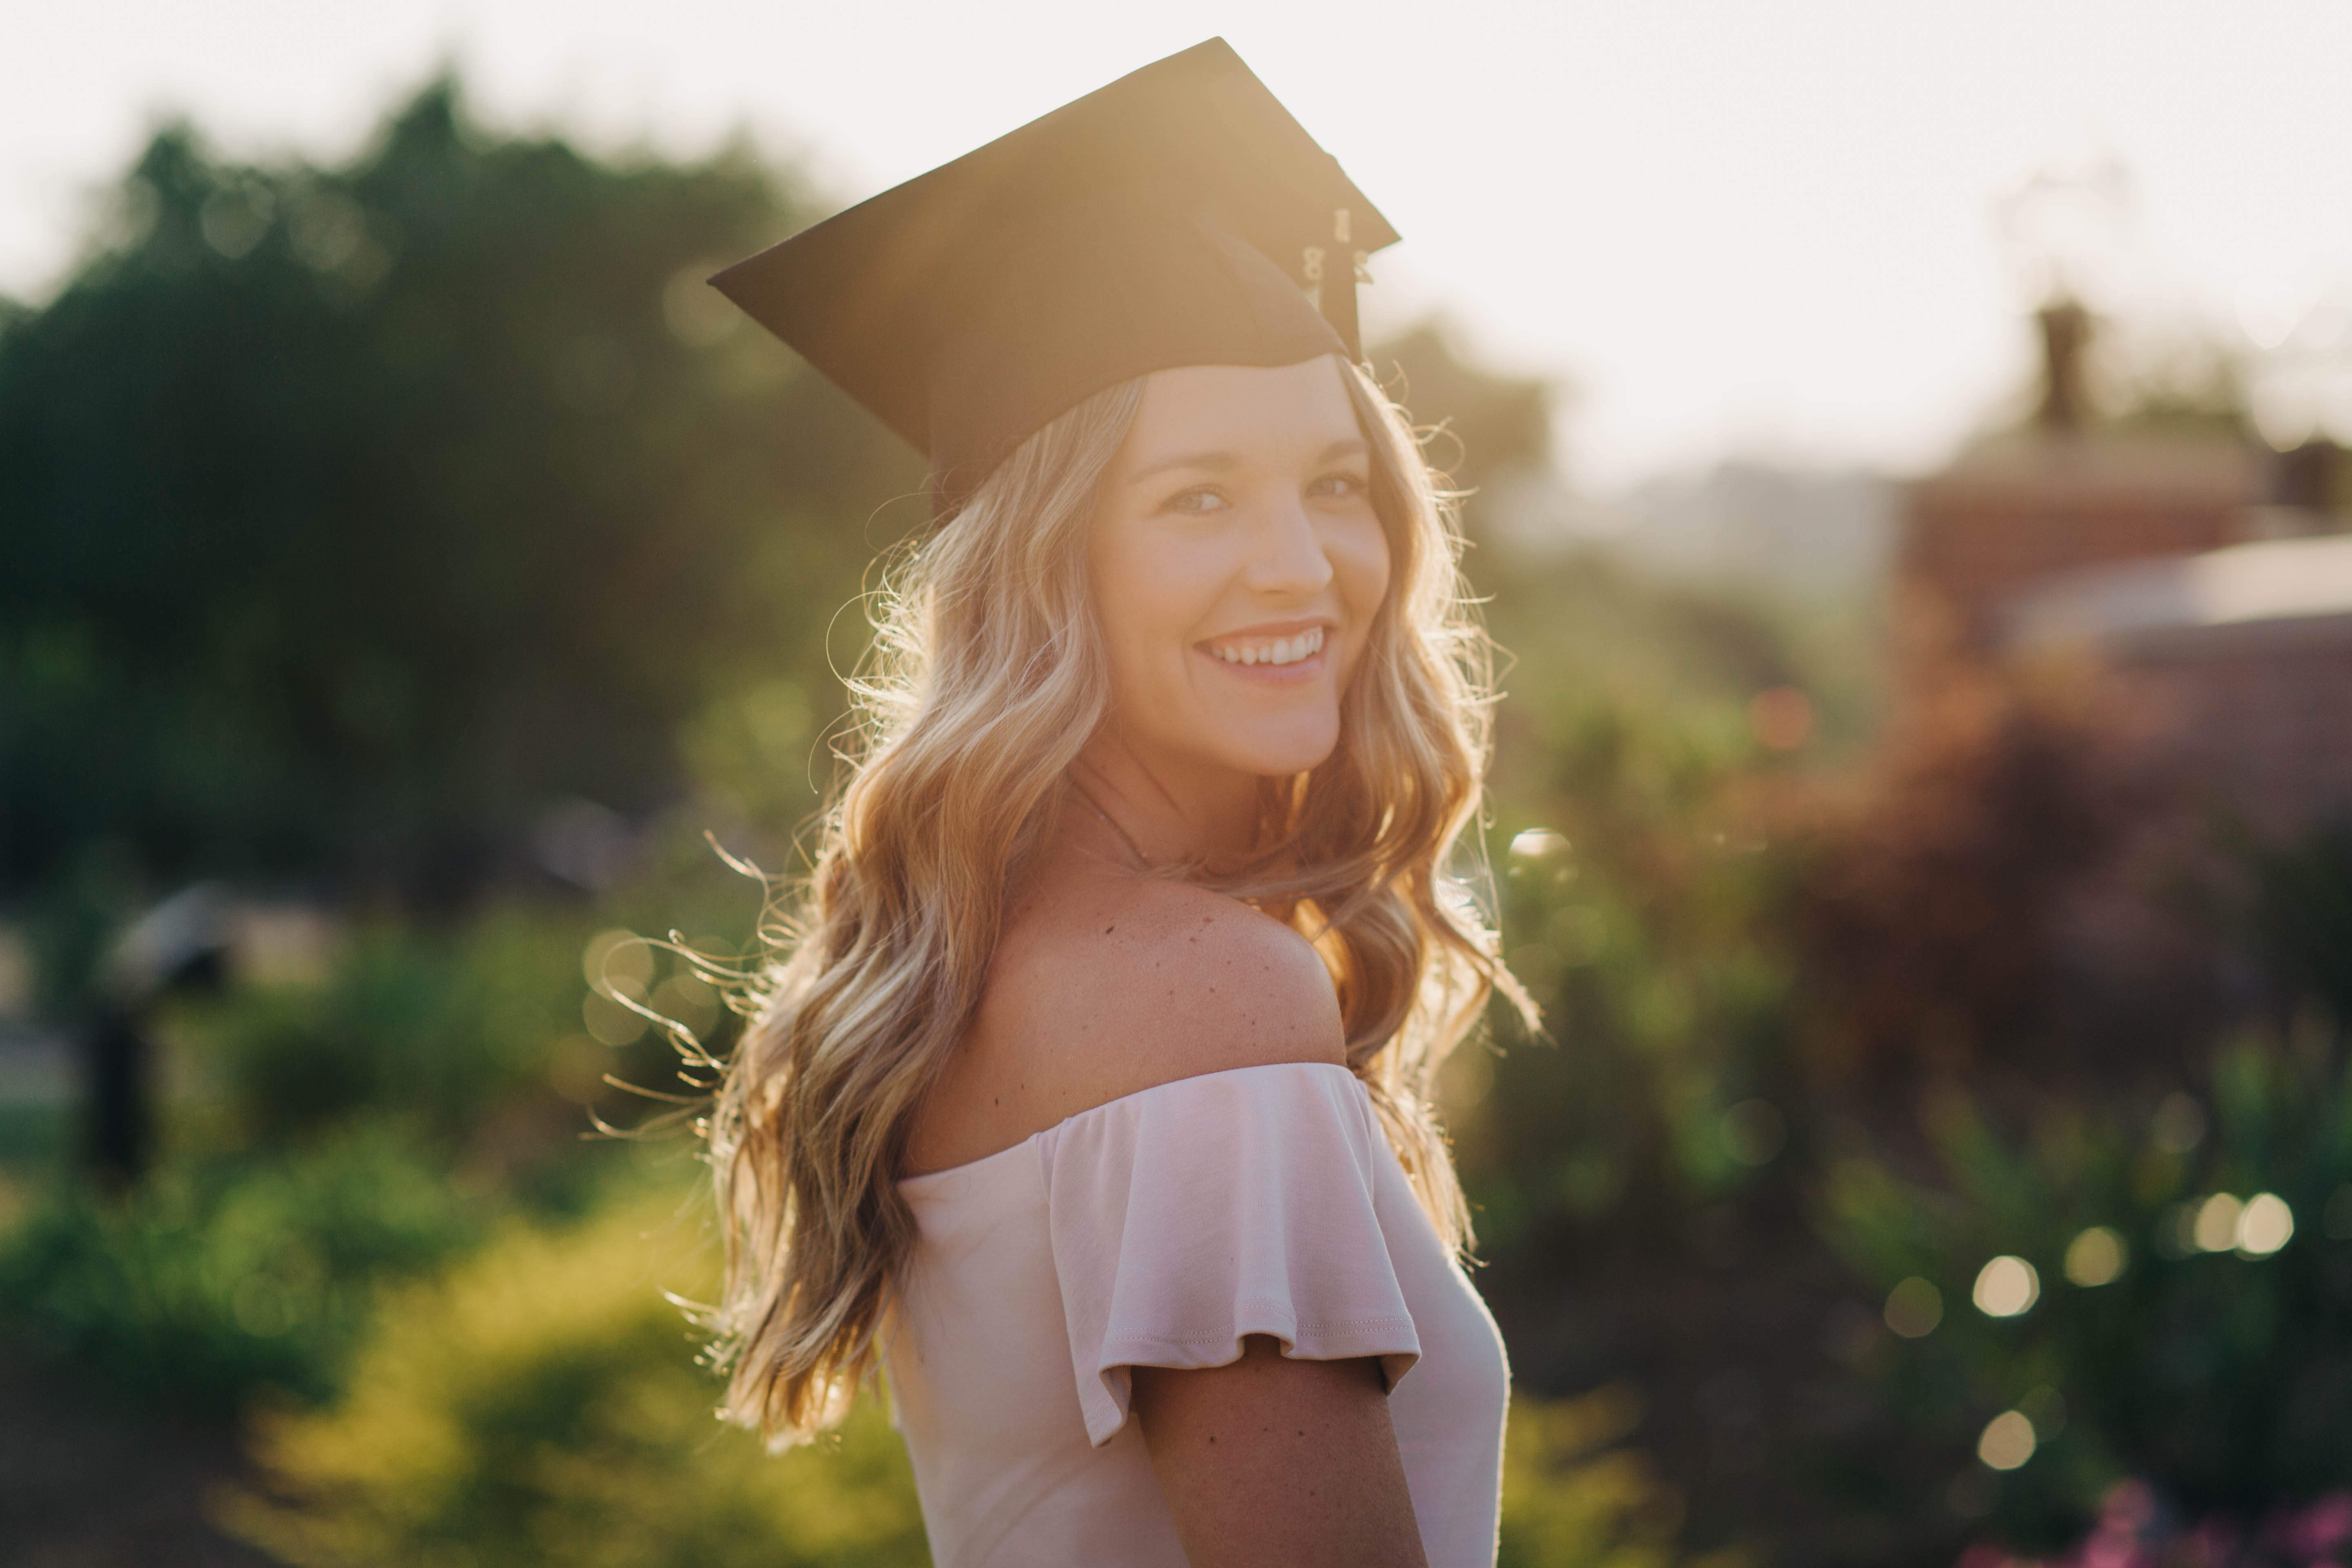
{"x": 1740, "y": 228}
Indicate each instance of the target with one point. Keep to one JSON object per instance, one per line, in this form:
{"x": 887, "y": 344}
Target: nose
{"x": 1288, "y": 561}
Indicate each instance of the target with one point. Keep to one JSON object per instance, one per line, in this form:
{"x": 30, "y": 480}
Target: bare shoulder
{"x": 1104, "y": 987}
{"x": 1175, "y": 981}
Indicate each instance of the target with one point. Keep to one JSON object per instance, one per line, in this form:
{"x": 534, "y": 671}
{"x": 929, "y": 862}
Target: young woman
{"x": 1090, "y": 1092}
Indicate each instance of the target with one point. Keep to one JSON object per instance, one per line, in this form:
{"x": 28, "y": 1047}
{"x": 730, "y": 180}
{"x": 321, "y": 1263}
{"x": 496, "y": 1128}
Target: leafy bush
{"x": 2147, "y": 1302}
{"x": 1573, "y": 1499}
{"x": 542, "y": 1403}
{"x": 210, "y": 1283}
{"x": 2301, "y": 916}
{"x": 1937, "y": 908}
{"x": 1635, "y": 900}
{"x": 446, "y": 1027}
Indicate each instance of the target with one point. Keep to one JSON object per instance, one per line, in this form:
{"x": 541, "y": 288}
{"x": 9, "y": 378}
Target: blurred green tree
{"x": 354, "y": 515}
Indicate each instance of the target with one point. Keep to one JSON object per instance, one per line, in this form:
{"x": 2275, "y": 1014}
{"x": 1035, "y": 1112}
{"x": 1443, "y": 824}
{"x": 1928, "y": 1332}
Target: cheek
{"x": 1145, "y": 600}
{"x": 1360, "y": 564}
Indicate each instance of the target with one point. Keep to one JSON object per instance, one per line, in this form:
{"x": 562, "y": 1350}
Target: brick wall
{"x": 2012, "y": 513}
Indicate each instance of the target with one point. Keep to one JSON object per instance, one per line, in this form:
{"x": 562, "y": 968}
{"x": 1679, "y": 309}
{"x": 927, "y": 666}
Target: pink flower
{"x": 2316, "y": 1532}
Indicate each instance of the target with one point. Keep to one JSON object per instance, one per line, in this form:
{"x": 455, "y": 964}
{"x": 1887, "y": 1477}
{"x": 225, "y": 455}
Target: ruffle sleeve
{"x": 1199, "y": 1211}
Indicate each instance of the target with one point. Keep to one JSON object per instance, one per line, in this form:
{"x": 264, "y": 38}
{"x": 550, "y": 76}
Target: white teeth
{"x": 1282, "y": 650}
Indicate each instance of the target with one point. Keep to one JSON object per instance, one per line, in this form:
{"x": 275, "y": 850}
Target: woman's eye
{"x": 1344, "y": 486}
{"x": 1199, "y": 500}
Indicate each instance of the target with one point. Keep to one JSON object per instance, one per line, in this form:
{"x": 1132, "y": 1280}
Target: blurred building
{"x": 1806, "y": 537}
{"x": 2208, "y": 579}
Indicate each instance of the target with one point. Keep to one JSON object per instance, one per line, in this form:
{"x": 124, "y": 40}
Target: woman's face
{"x": 1237, "y": 566}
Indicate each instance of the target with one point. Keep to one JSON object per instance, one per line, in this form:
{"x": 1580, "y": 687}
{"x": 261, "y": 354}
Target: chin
{"x": 1280, "y": 756}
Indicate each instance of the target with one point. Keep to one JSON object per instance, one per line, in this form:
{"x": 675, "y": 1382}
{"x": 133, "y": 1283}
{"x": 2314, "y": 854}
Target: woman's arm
{"x": 1274, "y": 1463}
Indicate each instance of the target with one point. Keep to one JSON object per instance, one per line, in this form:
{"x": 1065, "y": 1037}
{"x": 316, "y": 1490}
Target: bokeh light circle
{"x": 1913, "y": 1308}
{"x": 2008, "y": 1441}
{"x": 2096, "y": 1257}
{"x": 2215, "y": 1228}
{"x": 2264, "y": 1225}
{"x": 2005, "y": 1287}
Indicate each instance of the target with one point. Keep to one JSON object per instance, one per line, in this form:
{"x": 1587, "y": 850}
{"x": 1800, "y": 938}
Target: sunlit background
{"x": 1901, "y": 450}
{"x": 1737, "y": 230}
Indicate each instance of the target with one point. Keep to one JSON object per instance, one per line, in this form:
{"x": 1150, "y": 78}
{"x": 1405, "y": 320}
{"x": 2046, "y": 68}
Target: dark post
{"x": 119, "y": 1124}
{"x": 181, "y": 944}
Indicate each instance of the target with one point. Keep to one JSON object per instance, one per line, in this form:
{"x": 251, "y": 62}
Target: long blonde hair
{"x": 986, "y": 678}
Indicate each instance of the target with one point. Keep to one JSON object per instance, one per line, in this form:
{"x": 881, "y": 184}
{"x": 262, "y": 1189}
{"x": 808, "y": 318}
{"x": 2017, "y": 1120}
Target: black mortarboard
{"x": 1177, "y": 217}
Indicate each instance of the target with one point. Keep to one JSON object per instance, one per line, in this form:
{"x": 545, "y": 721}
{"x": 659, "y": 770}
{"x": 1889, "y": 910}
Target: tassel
{"x": 1334, "y": 275}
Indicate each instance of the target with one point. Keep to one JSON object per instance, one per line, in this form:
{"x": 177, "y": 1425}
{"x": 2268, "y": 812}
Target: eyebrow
{"x": 1224, "y": 462}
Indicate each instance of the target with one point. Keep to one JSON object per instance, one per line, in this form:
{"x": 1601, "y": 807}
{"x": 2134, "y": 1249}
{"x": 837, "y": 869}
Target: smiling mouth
{"x": 1269, "y": 650}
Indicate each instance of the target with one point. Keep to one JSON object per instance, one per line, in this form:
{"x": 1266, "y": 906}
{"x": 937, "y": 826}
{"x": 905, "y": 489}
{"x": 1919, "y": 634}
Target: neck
{"x": 1169, "y": 814}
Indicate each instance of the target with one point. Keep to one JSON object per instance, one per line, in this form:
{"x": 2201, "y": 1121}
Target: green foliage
{"x": 352, "y": 513}
{"x": 2211, "y": 1367}
{"x": 357, "y": 516}
{"x": 448, "y": 1025}
{"x": 2302, "y": 913}
{"x": 1635, "y": 899}
{"x": 542, "y": 1403}
{"x": 1572, "y": 1499}
{"x": 209, "y": 1283}
{"x": 343, "y": 1128}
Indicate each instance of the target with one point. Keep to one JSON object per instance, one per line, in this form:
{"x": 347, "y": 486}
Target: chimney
{"x": 2065, "y": 335}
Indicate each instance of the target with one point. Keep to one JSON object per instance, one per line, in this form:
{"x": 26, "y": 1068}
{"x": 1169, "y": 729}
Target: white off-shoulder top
{"x": 1157, "y": 1230}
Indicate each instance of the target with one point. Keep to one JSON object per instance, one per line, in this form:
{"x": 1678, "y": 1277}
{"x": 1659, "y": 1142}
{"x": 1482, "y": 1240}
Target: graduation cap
{"x": 1178, "y": 216}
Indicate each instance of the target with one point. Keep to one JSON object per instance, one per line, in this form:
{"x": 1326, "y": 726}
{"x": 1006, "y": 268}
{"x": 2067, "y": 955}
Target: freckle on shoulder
{"x": 1073, "y": 1001}
{"x": 1286, "y": 1009}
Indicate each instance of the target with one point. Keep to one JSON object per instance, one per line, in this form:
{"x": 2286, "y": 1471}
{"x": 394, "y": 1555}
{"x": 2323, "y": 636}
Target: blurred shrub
{"x": 490, "y": 1037}
{"x": 2122, "y": 1293}
{"x": 2301, "y": 915}
{"x": 1635, "y": 901}
{"x": 342, "y": 1127}
{"x": 207, "y": 1284}
{"x": 1739, "y": 965}
{"x": 1573, "y": 1499}
{"x": 1936, "y": 885}
{"x": 542, "y": 1403}
{"x": 443, "y": 1026}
